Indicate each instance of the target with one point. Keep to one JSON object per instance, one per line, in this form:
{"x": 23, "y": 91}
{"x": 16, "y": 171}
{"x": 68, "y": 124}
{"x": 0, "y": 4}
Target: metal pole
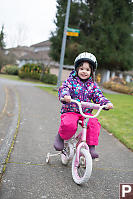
{"x": 63, "y": 43}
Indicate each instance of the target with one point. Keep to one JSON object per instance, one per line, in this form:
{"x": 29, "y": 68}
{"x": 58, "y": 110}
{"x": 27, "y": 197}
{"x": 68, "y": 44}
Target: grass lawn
{"x": 118, "y": 121}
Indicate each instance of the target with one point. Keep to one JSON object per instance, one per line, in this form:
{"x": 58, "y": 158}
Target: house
{"x": 39, "y": 53}
{"x": 16, "y": 53}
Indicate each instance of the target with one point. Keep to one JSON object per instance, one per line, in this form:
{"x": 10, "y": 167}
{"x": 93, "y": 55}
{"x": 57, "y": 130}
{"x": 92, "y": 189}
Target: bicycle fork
{"x": 82, "y": 142}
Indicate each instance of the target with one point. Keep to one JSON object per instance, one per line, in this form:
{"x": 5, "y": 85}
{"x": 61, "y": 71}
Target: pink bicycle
{"x": 77, "y": 150}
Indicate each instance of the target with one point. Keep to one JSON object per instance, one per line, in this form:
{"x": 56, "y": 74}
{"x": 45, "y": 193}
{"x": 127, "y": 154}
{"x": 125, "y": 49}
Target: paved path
{"x": 27, "y": 176}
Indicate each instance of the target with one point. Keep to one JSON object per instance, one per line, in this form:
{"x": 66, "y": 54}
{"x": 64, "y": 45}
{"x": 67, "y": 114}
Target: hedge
{"x": 37, "y": 72}
{"x": 49, "y": 79}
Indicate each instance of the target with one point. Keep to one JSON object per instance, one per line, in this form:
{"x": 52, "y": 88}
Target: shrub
{"x": 11, "y": 70}
{"x": 33, "y": 71}
{"x": 49, "y": 79}
{"x": 37, "y": 72}
{"x": 118, "y": 80}
{"x": 118, "y": 87}
{"x": 21, "y": 74}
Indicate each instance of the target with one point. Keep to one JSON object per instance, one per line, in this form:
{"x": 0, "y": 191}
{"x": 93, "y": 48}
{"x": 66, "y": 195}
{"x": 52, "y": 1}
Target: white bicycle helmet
{"x": 88, "y": 57}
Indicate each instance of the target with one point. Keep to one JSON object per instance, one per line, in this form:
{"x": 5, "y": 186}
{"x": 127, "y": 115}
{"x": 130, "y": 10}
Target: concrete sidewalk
{"x": 27, "y": 176}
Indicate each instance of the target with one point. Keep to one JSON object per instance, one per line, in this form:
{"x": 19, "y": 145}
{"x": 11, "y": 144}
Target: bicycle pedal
{"x": 64, "y": 151}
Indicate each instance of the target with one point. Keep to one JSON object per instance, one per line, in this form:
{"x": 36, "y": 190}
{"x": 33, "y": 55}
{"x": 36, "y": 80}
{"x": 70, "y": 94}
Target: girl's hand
{"x": 109, "y": 106}
{"x": 67, "y": 98}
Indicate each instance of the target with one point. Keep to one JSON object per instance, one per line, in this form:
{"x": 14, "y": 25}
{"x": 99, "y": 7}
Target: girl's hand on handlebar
{"x": 67, "y": 98}
{"x": 109, "y": 106}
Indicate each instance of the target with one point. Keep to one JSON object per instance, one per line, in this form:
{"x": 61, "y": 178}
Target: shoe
{"x": 58, "y": 143}
{"x": 93, "y": 152}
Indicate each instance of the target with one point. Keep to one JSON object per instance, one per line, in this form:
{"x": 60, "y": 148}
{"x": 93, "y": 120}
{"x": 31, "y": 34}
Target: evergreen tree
{"x": 111, "y": 38}
{"x": 105, "y": 30}
{"x": 2, "y": 43}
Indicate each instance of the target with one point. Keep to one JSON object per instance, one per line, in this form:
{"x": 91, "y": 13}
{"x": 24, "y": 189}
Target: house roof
{"x": 41, "y": 55}
{"x": 38, "y": 55}
{"x": 19, "y": 51}
{"x": 41, "y": 44}
{"x": 24, "y": 53}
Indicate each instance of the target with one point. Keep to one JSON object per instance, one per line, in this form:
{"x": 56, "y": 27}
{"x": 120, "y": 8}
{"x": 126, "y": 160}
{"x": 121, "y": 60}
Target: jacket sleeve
{"x": 98, "y": 96}
{"x": 65, "y": 89}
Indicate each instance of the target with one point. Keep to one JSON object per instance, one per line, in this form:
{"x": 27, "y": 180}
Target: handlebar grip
{"x": 90, "y": 105}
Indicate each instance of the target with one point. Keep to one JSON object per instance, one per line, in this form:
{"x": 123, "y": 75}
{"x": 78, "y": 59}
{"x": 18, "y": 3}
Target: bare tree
{"x": 20, "y": 36}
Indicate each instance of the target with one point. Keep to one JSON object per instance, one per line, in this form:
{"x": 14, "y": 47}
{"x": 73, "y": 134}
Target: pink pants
{"x": 69, "y": 124}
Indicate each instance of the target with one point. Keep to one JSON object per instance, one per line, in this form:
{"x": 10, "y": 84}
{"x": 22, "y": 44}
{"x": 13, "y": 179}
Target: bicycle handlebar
{"x": 88, "y": 105}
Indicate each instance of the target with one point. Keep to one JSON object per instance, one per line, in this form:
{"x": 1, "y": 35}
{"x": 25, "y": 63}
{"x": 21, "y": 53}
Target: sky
{"x": 27, "y": 22}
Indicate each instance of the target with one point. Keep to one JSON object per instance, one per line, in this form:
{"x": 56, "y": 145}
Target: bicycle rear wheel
{"x": 82, "y": 172}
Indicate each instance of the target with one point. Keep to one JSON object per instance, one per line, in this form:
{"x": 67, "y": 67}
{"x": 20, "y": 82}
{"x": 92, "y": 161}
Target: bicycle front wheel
{"x": 82, "y": 172}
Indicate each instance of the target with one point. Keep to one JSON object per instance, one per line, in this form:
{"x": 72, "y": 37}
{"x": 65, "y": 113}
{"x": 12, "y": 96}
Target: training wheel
{"x": 48, "y": 158}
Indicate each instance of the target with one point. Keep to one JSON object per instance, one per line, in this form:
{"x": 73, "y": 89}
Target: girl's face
{"x": 84, "y": 71}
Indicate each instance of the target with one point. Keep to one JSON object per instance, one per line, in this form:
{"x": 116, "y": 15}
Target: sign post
{"x": 63, "y": 43}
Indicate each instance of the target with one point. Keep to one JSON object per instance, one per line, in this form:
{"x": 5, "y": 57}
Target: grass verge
{"x": 50, "y": 90}
{"x": 17, "y": 78}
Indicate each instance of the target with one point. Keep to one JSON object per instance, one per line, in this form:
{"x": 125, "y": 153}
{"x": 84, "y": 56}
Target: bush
{"x": 11, "y": 70}
{"x": 37, "y": 72}
{"x": 118, "y": 87}
{"x": 49, "y": 79}
{"x": 33, "y": 71}
{"x": 21, "y": 74}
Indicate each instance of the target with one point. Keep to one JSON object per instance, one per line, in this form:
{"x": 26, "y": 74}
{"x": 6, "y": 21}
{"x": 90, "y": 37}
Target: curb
{"x": 3, "y": 98}
{"x": 8, "y": 143}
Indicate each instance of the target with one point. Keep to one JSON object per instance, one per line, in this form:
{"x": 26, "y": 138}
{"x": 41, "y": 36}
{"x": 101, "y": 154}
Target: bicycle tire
{"x": 76, "y": 175}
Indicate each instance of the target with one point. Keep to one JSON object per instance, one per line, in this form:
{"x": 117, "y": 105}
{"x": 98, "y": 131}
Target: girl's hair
{"x": 80, "y": 64}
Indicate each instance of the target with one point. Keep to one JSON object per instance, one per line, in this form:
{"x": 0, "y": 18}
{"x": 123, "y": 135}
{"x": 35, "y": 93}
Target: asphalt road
{"x": 27, "y": 176}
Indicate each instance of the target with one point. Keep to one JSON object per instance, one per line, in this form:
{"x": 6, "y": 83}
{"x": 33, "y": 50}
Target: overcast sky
{"x": 27, "y": 22}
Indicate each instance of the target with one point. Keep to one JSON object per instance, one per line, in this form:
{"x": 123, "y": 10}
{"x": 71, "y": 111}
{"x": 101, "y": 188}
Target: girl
{"x": 80, "y": 86}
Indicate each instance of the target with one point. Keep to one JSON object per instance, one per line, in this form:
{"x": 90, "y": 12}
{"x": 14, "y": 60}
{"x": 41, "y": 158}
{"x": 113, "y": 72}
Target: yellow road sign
{"x": 74, "y": 34}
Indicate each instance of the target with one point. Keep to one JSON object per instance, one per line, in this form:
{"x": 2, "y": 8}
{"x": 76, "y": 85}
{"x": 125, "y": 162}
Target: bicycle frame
{"x": 82, "y": 141}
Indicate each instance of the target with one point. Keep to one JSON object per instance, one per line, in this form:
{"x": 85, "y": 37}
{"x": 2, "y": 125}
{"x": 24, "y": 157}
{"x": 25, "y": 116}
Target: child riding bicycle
{"x": 80, "y": 86}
